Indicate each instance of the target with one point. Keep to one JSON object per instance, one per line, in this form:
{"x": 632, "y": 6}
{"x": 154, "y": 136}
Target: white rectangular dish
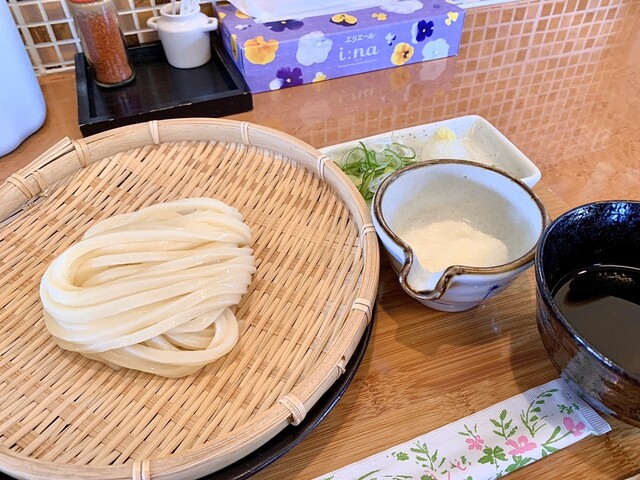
{"x": 470, "y": 137}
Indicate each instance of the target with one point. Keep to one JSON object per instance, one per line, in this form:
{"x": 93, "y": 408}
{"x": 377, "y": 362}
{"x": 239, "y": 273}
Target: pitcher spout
{"x": 422, "y": 284}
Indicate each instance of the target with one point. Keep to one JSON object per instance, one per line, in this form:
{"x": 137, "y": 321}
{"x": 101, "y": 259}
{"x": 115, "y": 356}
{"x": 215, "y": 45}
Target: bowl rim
{"x": 544, "y": 290}
{"x": 453, "y": 270}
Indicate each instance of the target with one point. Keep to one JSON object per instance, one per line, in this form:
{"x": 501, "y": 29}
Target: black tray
{"x": 161, "y": 91}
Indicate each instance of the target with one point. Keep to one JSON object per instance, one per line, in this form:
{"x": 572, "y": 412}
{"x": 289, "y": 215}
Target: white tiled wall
{"x": 50, "y": 37}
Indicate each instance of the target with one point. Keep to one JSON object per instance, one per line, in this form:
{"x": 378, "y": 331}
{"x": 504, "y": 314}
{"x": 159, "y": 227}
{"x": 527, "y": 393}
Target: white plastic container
{"x": 185, "y": 38}
{"x": 22, "y": 106}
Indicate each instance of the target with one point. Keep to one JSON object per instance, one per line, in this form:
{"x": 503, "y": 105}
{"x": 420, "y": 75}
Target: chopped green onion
{"x": 367, "y": 168}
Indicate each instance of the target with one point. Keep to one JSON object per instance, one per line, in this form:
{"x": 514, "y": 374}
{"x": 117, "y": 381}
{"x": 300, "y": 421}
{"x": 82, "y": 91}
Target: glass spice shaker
{"x": 102, "y": 41}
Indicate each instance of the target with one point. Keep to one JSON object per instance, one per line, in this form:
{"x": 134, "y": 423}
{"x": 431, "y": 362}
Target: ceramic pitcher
{"x": 185, "y": 37}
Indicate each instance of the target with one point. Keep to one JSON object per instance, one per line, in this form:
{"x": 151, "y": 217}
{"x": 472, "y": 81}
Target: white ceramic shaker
{"x": 185, "y": 37}
{"x": 22, "y": 106}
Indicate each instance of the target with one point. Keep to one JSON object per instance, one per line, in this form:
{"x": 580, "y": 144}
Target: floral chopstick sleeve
{"x": 488, "y": 444}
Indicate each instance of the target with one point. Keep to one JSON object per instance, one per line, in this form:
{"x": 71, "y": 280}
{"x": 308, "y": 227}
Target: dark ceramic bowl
{"x": 601, "y": 232}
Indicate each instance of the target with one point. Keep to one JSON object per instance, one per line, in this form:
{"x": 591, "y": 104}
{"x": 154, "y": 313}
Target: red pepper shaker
{"x": 102, "y": 41}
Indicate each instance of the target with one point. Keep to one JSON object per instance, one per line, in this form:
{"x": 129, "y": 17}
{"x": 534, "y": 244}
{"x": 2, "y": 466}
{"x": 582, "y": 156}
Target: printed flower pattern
{"x": 522, "y": 445}
{"x": 575, "y": 428}
{"x": 290, "y": 77}
{"x": 313, "y": 48}
{"x": 286, "y": 77}
{"x": 451, "y": 17}
{"x": 319, "y": 77}
{"x": 421, "y": 30}
{"x": 239, "y": 14}
{"x": 435, "y": 49}
{"x": 283, "y": 25}
{"x": 344, "y": 19}
{"x": 261, "y": 51}
{"x": 402, "y": 53}
{"x": 475, "y": 443}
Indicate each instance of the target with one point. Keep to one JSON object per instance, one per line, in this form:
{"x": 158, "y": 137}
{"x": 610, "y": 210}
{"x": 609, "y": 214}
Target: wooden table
{"x": 559, "y": 79}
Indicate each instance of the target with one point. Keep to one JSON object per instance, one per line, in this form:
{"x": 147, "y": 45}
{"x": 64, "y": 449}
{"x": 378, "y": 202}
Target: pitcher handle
{"x": 153, "y": 23}
{"x": 212, "y": 24}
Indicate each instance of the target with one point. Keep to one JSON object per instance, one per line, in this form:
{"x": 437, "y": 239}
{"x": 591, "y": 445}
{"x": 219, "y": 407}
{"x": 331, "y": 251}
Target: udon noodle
{"x": 152, "y": 290}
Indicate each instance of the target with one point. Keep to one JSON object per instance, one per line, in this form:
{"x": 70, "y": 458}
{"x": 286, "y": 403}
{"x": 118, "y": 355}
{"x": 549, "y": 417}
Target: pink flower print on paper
{"x": 460, "y": 464}
{"x": 575, "y": 428}
{"x": 523, "y": 445}
{"x": 475, "y": 442}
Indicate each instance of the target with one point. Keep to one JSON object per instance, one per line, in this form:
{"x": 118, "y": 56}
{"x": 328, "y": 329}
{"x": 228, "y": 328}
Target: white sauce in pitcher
{"x": 439, "y": 245}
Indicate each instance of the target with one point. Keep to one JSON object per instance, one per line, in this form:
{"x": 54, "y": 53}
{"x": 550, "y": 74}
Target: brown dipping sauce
{"x": 602, "y": 303}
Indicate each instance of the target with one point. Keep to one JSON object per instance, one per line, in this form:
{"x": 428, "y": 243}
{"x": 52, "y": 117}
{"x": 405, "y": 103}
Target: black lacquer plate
{"x": 160, "y": 91}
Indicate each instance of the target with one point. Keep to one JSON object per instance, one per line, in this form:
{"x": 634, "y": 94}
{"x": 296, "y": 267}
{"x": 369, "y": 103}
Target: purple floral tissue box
{"x": 293, "y": 52}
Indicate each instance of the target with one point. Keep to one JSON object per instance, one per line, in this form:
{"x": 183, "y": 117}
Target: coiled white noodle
{"x": 152, "y": 290}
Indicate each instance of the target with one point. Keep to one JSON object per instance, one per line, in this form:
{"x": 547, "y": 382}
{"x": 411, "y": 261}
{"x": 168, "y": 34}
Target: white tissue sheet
{"x": 264, "y": 11}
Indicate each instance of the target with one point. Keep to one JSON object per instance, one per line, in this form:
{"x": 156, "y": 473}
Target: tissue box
{"x": 284, "y": 54}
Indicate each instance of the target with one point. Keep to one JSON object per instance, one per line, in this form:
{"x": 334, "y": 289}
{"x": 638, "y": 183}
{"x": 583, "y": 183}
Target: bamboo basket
{"x": 65, "y": 416}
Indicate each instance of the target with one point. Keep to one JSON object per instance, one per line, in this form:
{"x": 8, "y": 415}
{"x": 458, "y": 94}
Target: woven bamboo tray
{"x": 63, "y": 415}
